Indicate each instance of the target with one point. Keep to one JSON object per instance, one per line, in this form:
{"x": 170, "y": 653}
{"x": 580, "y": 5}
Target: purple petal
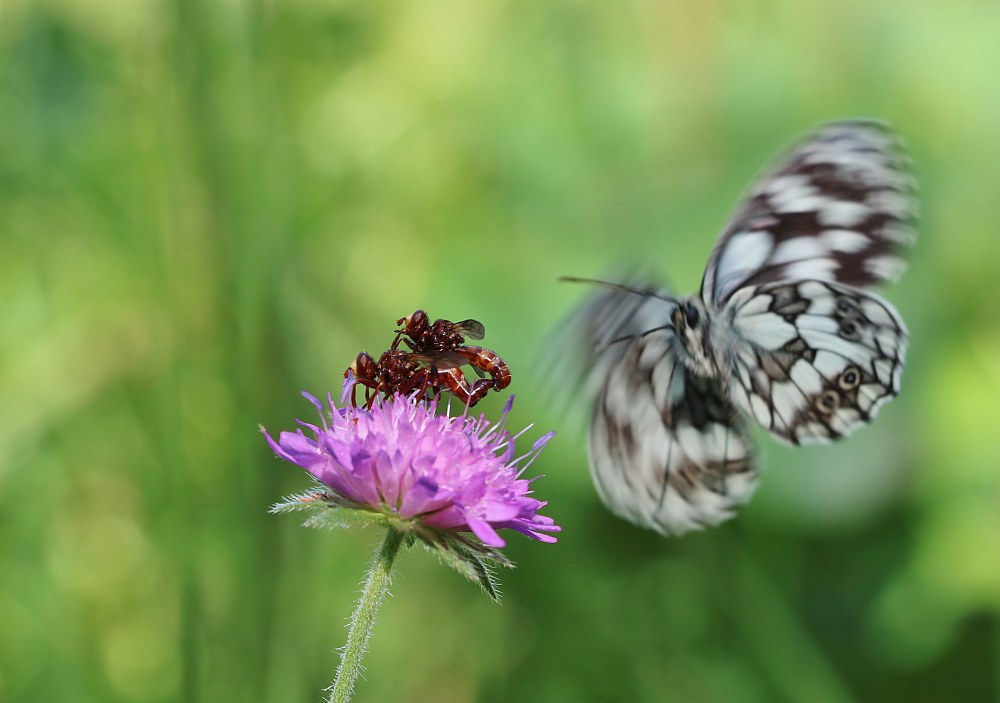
{"x": 314, "y": 400}
{"x": 297, "y": 448}
{"x": 418, "y": 498}
{"x": 485, "y": 532}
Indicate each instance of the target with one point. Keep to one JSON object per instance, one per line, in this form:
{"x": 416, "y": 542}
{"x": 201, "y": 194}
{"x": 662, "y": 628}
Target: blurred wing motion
{"x": 838, "y": 208}
{"x": 785, "y": 329}
{"x": 667, "y": 449}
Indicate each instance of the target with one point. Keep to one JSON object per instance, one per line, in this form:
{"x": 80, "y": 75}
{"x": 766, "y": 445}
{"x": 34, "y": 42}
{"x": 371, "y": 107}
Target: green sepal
{"x": 464, "y": 553}
{"x": 473, "y": 560}
{"x": 326, "y": 510}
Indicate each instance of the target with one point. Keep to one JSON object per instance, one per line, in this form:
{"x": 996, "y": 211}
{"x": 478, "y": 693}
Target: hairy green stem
{"x": 373, "y": 594}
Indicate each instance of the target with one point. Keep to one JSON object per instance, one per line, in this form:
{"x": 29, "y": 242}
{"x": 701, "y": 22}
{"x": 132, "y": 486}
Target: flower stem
{"x": 373, "y": 594}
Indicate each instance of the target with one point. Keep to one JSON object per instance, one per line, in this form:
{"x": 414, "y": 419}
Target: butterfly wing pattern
{"x": 814, "y": 360}
{"x": 667, "y": 447}
{"x": 839, "y": 207}
{"x": 784, "y": 331}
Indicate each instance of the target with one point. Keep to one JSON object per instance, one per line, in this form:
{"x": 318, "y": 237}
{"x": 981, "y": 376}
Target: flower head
{"x": 428, "y": 474}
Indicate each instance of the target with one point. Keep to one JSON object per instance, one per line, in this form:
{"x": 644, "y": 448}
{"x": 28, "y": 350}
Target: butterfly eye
{"x": 692, "y": 314}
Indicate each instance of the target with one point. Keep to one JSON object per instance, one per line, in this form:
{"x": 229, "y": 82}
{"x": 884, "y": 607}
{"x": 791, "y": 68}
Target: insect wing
{"x": 471, "y": 329}
{"x": 667, "y": 449}
{"x": 838, "y": 208}
{"x": 440, "y": 360}
{"x": 813, "y": 360}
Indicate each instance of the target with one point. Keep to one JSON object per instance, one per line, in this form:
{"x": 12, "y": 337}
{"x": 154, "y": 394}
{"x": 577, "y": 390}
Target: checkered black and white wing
{"x": 667, "y": 449}
{"x": 813, "y": 360}
{"x": 838, "y": 208}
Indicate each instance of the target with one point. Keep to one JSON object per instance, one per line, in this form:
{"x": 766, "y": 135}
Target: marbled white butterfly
{"x": 785, "y": 330}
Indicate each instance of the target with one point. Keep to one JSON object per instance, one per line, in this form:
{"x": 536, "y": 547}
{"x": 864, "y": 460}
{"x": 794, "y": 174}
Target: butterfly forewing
{"x": 667, "y": 449}
{"x": 838, "y": 208}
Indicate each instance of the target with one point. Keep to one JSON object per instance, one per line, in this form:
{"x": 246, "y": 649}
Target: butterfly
{"x": 785, "y": 331}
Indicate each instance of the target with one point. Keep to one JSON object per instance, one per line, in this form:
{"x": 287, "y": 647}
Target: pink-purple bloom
{"x": 425, "y": 472}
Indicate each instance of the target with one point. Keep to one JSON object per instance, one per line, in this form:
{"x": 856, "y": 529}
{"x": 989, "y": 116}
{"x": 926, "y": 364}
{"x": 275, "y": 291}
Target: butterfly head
{"x": 692, "y": 330}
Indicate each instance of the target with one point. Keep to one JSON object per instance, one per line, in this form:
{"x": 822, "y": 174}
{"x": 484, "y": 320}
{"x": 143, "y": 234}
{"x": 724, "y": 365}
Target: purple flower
{"x": 424, "y": 473}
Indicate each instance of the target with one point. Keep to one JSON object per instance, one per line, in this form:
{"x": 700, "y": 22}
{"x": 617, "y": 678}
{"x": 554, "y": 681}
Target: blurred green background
{"x": 208, "y": 206}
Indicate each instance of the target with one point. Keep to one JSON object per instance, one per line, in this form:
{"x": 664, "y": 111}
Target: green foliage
{"x": 205, "y": 207}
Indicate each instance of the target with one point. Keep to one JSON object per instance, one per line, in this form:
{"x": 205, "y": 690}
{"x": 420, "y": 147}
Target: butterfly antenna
{"x": 618, "y": 286}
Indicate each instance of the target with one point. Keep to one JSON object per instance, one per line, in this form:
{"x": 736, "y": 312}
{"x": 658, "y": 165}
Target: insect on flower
{"x": 405, "y": 463}
{"x": 785, "y": 330}
{"x": 432, "y": 363}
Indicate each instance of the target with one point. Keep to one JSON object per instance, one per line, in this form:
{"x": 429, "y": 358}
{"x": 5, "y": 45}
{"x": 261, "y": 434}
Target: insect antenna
{"x": 645, "y": 292}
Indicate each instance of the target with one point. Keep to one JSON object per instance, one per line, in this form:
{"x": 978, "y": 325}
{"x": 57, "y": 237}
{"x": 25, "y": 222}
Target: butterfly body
{"x": 784, "y": 332}
{"x": 694, "y": 334}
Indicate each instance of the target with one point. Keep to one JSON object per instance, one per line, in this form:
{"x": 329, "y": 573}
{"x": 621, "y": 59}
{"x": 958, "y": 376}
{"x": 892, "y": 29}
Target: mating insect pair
{"x": 432, "y": 363}
{"x": 785, "y": 330}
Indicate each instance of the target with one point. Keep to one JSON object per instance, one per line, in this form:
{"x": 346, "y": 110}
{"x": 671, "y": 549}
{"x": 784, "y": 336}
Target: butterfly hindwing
{"x": 813, "y": 360}
{"x": 838, "y": 208}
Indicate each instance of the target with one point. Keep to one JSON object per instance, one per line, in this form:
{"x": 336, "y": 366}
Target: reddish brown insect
{"x": 433, "y": 363}
{"x": 442, "y": 346}
{"x": 444, "y": 335}
{"x": 441, "y": 374}
{"x": 394, "y": 371}
{"x": 399, "y": 371}
{"x": 487, "y": 361}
